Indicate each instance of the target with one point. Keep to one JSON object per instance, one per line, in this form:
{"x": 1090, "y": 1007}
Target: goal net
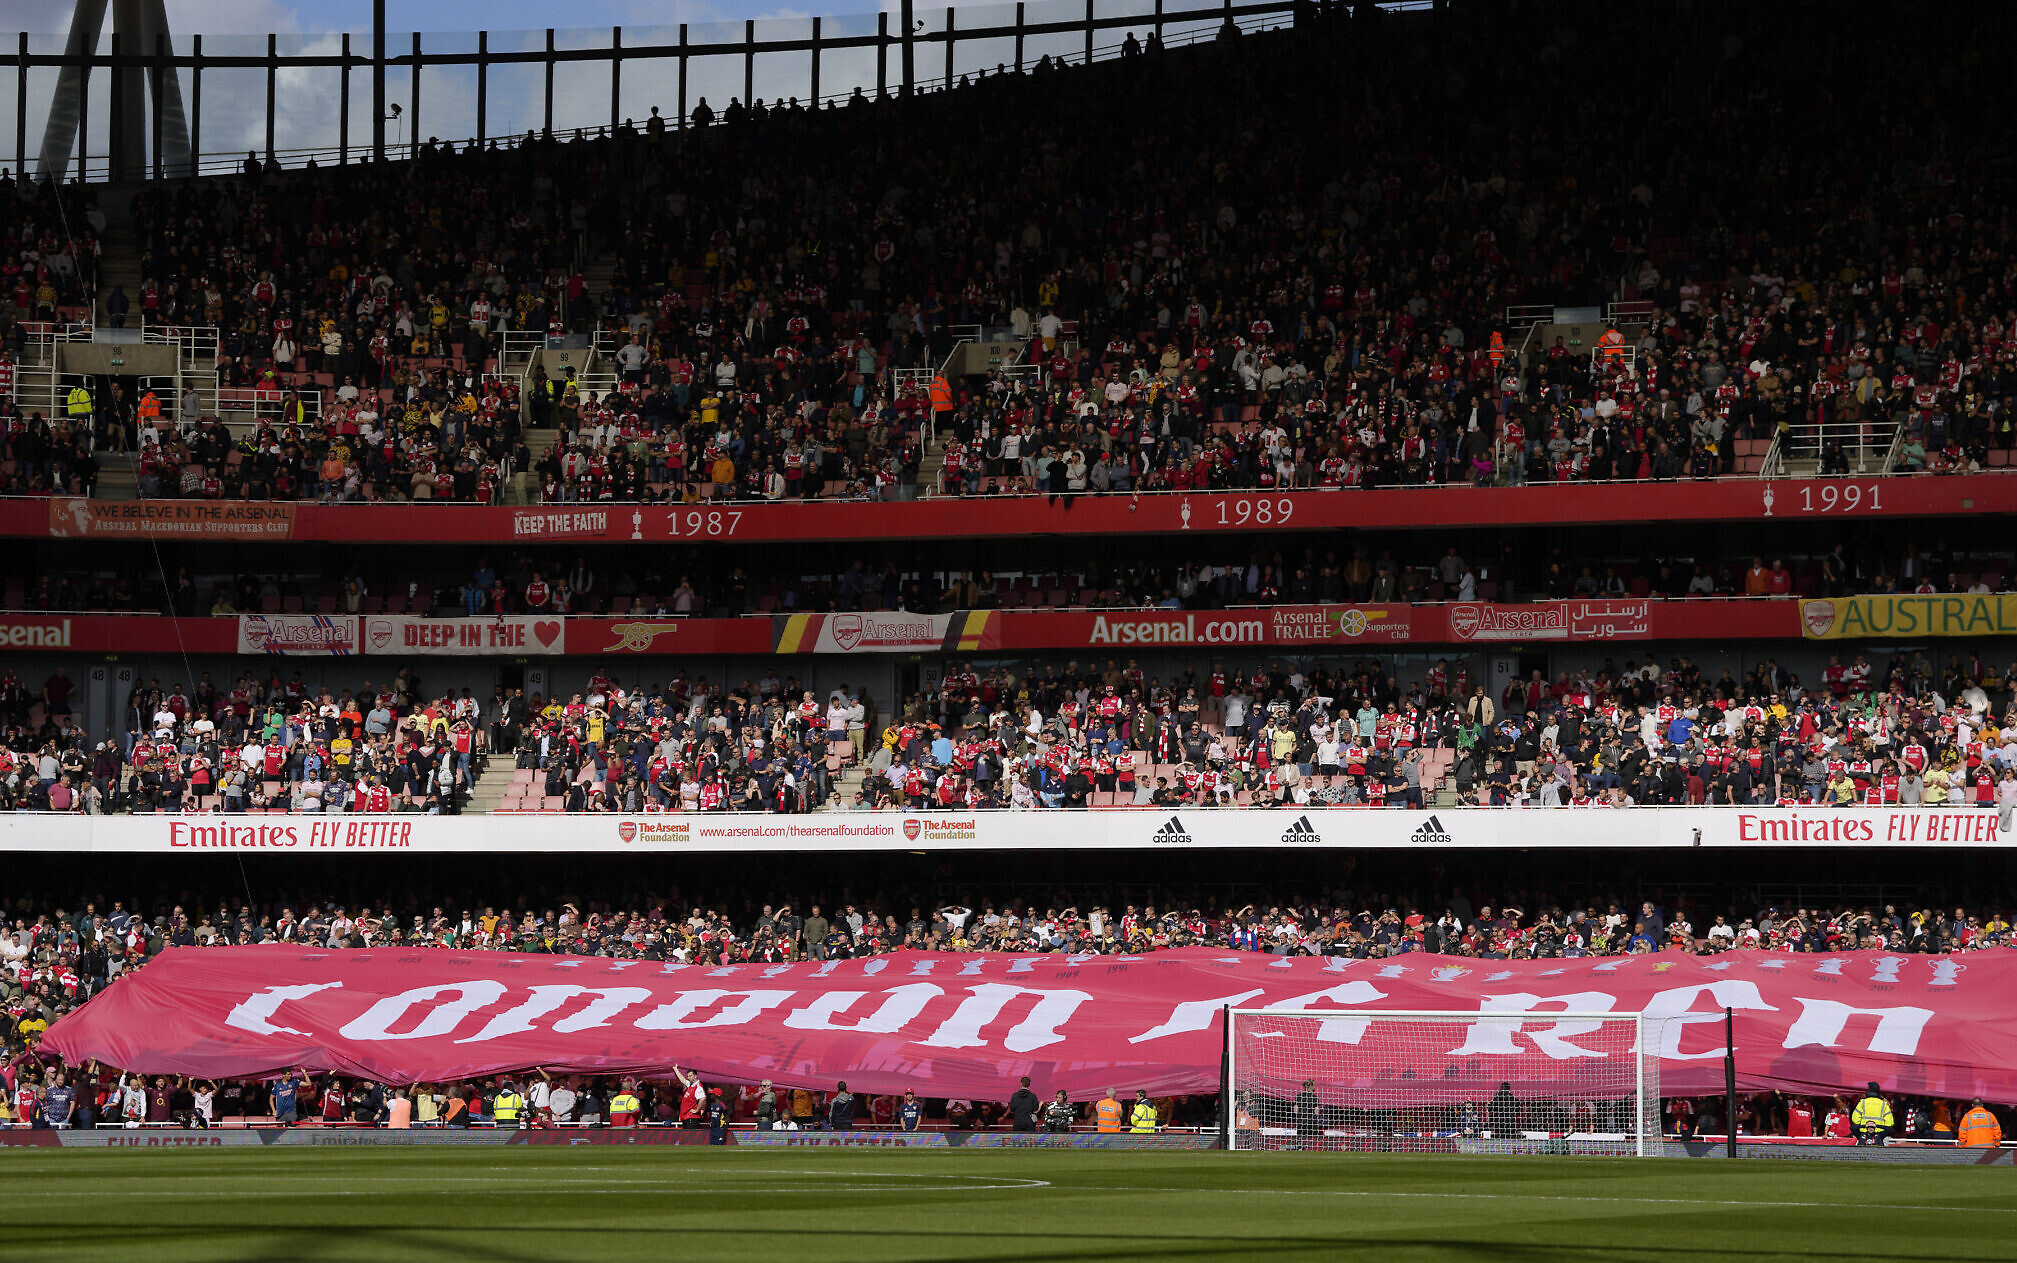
{"x": 1404, "y": 1082}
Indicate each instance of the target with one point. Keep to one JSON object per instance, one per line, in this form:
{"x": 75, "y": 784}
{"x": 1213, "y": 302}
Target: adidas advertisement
{"x": 1431, "y": 833}
{"x": 1301, "y": 833}
{"x": 1172, "y": 834}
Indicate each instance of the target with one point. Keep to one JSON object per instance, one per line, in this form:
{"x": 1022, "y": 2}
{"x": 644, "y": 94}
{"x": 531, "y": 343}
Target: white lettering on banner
{"x": 467, "y": 637}
{"x": 1193, "y": 1015}
{"x": 1495, "y": 1039}
{"x": 1337, "y": 1030}
{"x": 35, "y": 635}
{"x": 608, "y": 1002}
{"x": 1186, "y": 630}
{"x": 1552, "y": 620}
{"x": 1821, "y": 1023}
{"x": 297, "y": 633}
{"x": 748, "y": 1006}
{"x": 377, "y": 1021}
{"x": 900, "y": 1007}
{"x": 985, "y": 1003}
{"x": 252, "y": 1013}
{"x": 560, "y": 523}
{"x": 876, "y": 631}
{"x": 1674, "y": 1009}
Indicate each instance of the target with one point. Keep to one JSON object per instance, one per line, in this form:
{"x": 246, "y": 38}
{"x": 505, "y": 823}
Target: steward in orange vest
{"x": 1979, "y": 1128}
{"x": 1108, "y": 1112}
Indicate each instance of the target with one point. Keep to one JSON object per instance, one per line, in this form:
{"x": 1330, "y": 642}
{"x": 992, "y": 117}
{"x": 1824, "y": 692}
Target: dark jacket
{"x": 1024, "y": 1106}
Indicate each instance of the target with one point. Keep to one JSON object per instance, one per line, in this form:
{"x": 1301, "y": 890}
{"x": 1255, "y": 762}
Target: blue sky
{"x": 308, "y": 99}
{"x": 261, "y": 16}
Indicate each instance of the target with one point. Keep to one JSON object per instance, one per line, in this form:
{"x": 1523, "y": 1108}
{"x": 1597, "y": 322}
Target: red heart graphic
{"x": 547, "y": 632}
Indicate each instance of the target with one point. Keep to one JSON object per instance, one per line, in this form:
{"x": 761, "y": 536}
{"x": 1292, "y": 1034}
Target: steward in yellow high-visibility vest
{"x": 79, "y": 401}
{"x": 1143, "y": 1117}
{"x": 508, "y": 1105}
{"x": 624, "y": 1108}
{"x": 1871, "y": 1119}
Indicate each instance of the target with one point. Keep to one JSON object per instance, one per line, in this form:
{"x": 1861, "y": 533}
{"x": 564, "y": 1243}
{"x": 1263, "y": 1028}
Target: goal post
{"x": 1396, "y": 1081}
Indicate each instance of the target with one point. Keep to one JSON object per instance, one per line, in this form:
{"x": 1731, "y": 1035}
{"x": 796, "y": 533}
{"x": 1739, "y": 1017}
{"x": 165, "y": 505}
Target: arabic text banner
{"x": 958, "y": 1025}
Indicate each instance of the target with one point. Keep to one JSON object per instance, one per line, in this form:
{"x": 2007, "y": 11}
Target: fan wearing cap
{"x": 717, "y": 1117}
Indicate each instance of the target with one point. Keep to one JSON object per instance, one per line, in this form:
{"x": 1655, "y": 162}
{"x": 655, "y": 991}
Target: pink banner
{"x": 967, "y": 1025}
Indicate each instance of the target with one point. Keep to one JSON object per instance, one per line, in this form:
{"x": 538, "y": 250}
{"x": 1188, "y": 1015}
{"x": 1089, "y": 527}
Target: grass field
{"x": 978, "y": 1206}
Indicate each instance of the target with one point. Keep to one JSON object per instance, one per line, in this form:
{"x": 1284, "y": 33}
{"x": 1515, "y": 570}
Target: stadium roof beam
{"x": 139, "y": 28}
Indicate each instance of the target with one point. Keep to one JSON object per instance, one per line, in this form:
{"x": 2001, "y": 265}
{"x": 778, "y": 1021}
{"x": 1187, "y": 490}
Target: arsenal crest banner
{"x": 952, "y": 1025}
{"x": 1909, "y": 617}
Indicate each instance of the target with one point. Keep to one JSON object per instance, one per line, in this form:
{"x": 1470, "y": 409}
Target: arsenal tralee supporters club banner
{"x": 957, "y": 1025}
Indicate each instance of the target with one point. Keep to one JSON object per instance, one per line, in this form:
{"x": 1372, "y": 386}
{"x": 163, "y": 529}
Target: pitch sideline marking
{"x": 1534, "y": 1197}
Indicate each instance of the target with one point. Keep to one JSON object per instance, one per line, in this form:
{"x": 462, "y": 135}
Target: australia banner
{"x": 1909, "y": 617}
{"x": 956, "y": 1025}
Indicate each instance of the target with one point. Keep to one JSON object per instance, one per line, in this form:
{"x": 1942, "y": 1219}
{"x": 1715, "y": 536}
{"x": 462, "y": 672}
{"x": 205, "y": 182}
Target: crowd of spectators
{"x": 57, "y": 955}
{"x": 1913, "y": 732}
{"x": 1340, "y": 734}
{"x": 1191, "y": 320}
{"x": 251, "y": 746}
{"x": 50, "y": 241}
{"x": 53, "y": 958}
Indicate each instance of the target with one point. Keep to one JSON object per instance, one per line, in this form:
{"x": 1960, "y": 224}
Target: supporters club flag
{"x": 954, "y": 1025}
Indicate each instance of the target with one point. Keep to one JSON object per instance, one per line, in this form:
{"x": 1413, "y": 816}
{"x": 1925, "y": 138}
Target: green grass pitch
{"x": 510, "y": 1205}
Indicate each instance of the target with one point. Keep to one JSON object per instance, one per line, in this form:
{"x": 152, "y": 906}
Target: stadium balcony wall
{"x": 1958, "y": 496}
{"x": 1150, "y": 829}
{"x": 1374, "y": 628}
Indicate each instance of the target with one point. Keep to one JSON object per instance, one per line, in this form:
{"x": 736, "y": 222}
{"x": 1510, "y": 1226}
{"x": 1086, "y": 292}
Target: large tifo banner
{"x": 951, "y": 1025}
{"x": 1269, "y": 829}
